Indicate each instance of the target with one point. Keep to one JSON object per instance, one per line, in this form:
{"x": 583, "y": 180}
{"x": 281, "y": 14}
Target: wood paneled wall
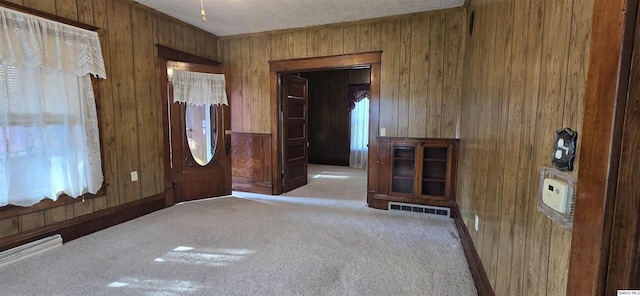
{"x": 421, "y": 69}
{"x": 251, "y": 162}
{"x": 524, "y": 78}
{"x": 130, "y": 104}
{"x": 329, "y": 115}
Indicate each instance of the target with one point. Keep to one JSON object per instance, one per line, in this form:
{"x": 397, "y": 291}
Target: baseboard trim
{"x": 475, "y": 265}
{"x": 251, "y": 186}
{"x": 87, "y": 224}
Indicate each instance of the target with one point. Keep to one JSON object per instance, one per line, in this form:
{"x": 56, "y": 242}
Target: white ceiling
{"x": 231, "y": 17}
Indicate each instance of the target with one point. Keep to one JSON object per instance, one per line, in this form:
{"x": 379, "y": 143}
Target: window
{"x": 49, "y": 142}
{"x": 359, "y": 106}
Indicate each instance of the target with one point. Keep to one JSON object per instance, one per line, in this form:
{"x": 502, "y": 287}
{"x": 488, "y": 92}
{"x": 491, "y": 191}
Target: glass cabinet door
{"x": 434, "y": 171}
{"x": 404, "y": 169}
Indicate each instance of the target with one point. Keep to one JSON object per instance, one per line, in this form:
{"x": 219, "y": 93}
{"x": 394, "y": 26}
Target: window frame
{"x": 10, "y": 211}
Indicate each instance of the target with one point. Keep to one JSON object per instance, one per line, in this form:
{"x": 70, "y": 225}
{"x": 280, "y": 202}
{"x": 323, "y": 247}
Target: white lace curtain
{"x": 359, "y": 154}
{"x": 197, "y": 88}
{"x": 49, "y": 142}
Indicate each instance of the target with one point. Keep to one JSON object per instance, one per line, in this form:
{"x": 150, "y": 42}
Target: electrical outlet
{"x": 134, "y": 176}
{"x": 383, "y": 131}
{"x": 477, "y": 222}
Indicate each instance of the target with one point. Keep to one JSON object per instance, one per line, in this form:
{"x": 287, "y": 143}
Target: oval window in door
{"x": 202, "y": 132}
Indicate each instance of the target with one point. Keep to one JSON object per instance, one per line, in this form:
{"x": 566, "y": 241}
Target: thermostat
{"x": 555, "y": 194}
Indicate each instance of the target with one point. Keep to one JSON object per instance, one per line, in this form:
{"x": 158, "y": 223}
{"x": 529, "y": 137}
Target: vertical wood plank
{"x": 255, "y": 52}
{"x": 211, "y": 47}
{"x": 85, "y": 11}
{"x": 188, "y": 38}
{"x": 524, "y": 189}
{"x": 199, "y": 43}
{"x": 556, "y": 28}
{"x": 289, "y": 46}
{"x": 107, "y": 105}
{"x": 514, "y": 124}
{"x": 9, "y": 227}
{"x": 300, "y": 44}
{"x": 157, "y": 103}
{"x": 450, "y": 108}
{"x": 42, "y": 5}
{"x": 349, "y": 39}
{"x": 376, "y": 36}
{"x": 265, "y": 98}
{"x": 405, "y": 74}
{"x": 99, "y": 203}
{"x": 149, "y": 119}
{"x": 247, "y": 95}
{"x": 419, "y": 75}
{"x": 81, "y": 208}
{"x": 121, "y": 36}
{"x": 436, "y": 65}
{"x": 337, "y": 40}
{"x": 324, "y": 41}
{"x": 178, "y": 30}
{"x": 58, "y": 214}
{"x": 504, "y": 48}
{"x": 389, "y": 81}
{"x": 363, "y": 38}
{"x": 312, "y": 43}
{"x": 578, "y": 68}
{"x": 278, "y": 46}
{"x": 30, "y": 221}
{"x": 67, "y": 9}
{"x": 165, "y": 32}
{"x": 236, "y": 98}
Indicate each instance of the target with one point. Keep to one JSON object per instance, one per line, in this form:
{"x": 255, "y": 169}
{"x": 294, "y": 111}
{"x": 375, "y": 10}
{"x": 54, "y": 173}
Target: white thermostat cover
{"x": 556, "y": 198}
{"x": 555, "y": 195}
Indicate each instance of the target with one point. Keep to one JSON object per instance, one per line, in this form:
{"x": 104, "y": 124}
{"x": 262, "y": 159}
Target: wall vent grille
{"x": 439, "y": 211}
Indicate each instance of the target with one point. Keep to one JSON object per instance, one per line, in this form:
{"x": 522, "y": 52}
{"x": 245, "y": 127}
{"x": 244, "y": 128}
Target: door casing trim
{"x": 347, "y": 61}
{"x": 166, "y": 54}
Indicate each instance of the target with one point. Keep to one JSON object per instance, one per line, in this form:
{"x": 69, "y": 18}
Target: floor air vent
{"x": 440, "y": 211}
{"x": 27, "y": 250}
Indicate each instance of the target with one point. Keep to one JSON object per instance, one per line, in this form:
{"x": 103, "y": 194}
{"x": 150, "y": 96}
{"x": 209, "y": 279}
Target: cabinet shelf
{"x": 434, "y": 180}
{"x": 435, "y": 160}
{"x": 403, "y": 177}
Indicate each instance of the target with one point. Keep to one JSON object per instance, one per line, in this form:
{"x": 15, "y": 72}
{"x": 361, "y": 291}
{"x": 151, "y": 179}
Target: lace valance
{"x": 357, "y": 92}
{"x": 38, "y": 42}
{"x": 199, "y": 88}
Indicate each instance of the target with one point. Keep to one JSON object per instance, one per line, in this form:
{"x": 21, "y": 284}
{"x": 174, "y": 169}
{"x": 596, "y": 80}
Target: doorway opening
{"x": 369, "y": 61}
{"x": 339, "y": 117}
{"x": 196, "y": 141}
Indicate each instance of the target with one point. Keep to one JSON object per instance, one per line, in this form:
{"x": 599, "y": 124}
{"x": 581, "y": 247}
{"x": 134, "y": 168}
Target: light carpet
{"x": 320, "y": 239}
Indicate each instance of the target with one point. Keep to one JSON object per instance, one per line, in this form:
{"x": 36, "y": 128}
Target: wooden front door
{"x": 200, "y": 143}
{"x": 294, "y": 99}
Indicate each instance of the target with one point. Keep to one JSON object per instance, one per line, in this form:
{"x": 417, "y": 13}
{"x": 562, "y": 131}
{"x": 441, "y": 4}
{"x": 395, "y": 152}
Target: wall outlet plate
{"x": 477, "y": 222}
{"x": 134, "y": 176}
{"x": 564, "y": 150}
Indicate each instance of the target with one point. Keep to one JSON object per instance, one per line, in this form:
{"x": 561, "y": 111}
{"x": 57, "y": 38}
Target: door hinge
{"x": 174, "y": 184}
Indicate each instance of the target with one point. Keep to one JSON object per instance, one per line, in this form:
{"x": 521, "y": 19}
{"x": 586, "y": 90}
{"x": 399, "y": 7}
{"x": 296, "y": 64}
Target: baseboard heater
{"x": 439, "y": 211}
{"x": 22, "y": 252}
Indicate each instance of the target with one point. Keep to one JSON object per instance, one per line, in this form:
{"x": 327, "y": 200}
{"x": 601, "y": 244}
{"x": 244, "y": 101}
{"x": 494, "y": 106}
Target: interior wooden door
{"x": 294, "y": 100}
{"x": 200, "y": 142}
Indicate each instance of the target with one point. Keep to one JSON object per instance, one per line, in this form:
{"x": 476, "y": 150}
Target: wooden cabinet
{"x": 415, "y": 170}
